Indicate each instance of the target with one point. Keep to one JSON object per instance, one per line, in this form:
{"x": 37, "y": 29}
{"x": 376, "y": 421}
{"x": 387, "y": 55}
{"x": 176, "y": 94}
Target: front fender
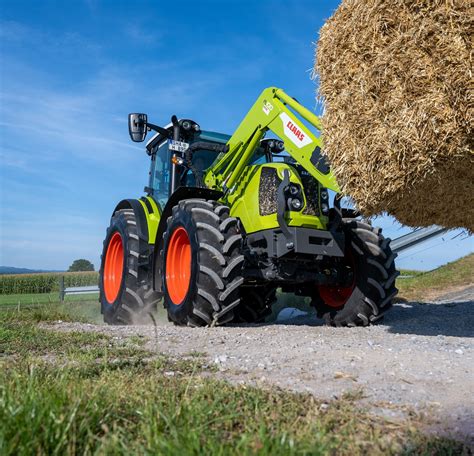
{"x": 147, "y": 215}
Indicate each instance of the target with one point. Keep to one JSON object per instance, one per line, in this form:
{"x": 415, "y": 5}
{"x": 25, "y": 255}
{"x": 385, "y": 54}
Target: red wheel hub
{"x": 336, "y": 295}
{"x": 113, "y": 268}
{"x": 178, "y": 265}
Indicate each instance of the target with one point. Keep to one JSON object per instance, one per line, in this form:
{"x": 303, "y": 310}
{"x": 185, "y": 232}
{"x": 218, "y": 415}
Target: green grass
{"x": 438, "y": 281}
{"x": 410, "y": 272}
{"x": 89, "y": 393}
{"x": 87, "y": 311}
{"x": 84, "y": 307}
{"x": 42, "y": 298}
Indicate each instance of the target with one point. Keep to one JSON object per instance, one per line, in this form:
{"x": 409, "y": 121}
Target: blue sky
{"x": 71, "y": 72}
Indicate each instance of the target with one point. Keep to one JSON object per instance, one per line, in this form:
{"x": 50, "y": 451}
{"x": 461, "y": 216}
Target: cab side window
{"x": 160, "y": 174}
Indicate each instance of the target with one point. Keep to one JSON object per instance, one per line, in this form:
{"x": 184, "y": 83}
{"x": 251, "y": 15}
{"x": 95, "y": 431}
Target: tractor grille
{"x": 311, "y": 192}
{"x": 268, "y": 191}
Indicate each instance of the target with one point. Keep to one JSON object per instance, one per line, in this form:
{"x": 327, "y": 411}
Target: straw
{"x": 396, "y": 83}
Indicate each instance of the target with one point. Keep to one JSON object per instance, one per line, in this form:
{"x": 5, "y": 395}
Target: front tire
{"x": 126, "y": 293}
{"x": 372, "y": 289}
{"x": 255, "y": 303}
{"x": 201, "y": 264}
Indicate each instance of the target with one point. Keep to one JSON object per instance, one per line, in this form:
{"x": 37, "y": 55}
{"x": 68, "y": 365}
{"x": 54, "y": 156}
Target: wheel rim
{"x": 335, "y": 295}
{"x": 113, "y": 269}
{"x": 178, "y": 265}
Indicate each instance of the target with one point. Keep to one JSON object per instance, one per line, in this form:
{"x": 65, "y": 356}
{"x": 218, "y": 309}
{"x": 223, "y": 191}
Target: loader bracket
{"x": 281, "y": 209}
{"x": 319, "y": 161}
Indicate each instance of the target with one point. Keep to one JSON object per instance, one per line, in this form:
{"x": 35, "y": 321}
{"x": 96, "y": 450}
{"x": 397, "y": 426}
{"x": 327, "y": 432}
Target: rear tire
{"x": 202, "y": 269}
{"x": 126, "y": 293}
{"x": 373, "y": 288}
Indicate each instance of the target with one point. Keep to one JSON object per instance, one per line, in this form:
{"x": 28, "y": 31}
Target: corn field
{"x": 44, "y": 283}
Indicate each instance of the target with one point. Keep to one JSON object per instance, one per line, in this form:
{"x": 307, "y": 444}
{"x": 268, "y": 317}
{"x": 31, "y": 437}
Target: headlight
{"x": 279, "y": 146}
{"x": 294, "y": 190}
{"x": 295, "y": 204}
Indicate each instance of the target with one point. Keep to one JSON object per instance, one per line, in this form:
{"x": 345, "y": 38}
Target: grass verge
{"x": 85, "y": 393}
{"x": 86, "y": 310}
{"x": 44, "y": 298}
{"x": 431, "y": 284}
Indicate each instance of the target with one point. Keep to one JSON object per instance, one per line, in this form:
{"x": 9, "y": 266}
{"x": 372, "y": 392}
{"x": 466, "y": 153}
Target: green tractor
{"x": 227, "y": 220}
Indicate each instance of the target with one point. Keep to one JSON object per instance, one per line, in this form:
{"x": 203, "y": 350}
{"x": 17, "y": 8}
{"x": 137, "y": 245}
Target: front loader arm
{"x": 272, "y": 112}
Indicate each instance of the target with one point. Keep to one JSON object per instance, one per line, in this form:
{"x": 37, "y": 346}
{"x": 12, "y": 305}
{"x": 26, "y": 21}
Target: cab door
{"x": 159, "y": 184}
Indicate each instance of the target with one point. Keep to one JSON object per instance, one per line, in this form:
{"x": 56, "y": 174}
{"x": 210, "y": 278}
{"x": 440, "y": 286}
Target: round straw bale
{"x": 396, "y": 80}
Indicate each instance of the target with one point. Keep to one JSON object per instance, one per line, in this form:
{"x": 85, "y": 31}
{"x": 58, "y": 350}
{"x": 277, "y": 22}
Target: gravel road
{"x": 421, "y": 356}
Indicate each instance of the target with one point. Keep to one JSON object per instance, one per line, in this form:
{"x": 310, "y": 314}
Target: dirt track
{"x": 421, "y": 356}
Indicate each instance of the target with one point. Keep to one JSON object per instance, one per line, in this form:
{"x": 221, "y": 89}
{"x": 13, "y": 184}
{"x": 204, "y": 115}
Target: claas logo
{"x": 294, "y": 132}
{"x": 293, "y": 128}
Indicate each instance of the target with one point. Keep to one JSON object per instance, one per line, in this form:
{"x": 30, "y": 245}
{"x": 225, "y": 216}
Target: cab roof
{"x": 204, "y": 135}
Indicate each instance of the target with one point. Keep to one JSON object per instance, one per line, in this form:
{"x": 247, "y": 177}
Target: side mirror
{"x": 137, "y": 126}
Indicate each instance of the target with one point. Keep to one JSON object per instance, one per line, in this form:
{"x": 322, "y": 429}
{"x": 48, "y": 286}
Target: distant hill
{"x": 438, "y": 282}
{"x": 13, "y": 270}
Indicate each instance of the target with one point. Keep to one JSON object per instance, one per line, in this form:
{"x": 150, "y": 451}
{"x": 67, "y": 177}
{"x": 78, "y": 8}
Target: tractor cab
{"x": 188, "y": 174}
